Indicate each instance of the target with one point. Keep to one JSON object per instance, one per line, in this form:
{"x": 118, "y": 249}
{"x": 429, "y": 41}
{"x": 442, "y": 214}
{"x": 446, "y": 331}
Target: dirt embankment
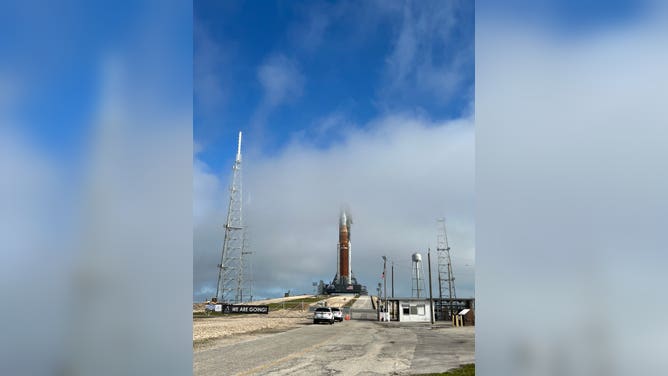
{"x": 217, "y": 330}
{"x": 212, "y": 331}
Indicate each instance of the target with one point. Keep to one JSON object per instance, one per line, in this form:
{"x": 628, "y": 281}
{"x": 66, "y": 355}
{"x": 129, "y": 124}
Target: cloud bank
{"x": 397, "y": 177}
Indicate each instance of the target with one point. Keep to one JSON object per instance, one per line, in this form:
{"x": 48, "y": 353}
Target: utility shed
{"x": 410, "y": 309}
{"x": 468, "y": 317}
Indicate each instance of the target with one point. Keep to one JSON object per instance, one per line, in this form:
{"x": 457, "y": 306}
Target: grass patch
{"x": 294, "y": 304}
{"x": 207, "y": 315}
{"x": 201, "y": 342}
{"x": 351, "y": 301}
{"x": 465, "y": 370}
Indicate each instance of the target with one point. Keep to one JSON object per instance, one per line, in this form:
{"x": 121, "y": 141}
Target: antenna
{"x": 239, "y": 149}
{"x": 231, "y": 268}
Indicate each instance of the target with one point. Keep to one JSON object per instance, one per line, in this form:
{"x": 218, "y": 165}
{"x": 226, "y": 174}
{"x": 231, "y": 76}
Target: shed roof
{"x": 408, "y": 299}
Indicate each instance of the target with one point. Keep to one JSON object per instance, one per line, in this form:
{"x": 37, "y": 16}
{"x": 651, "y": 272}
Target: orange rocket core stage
{"x": 344, "y": 252}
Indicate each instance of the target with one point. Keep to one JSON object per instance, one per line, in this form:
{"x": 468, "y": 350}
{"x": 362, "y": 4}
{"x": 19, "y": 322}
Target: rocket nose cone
{"x": 343, "y": 219}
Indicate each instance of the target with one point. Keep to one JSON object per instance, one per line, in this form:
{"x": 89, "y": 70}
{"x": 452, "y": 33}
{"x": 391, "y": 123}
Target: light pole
{"x": 379, "y": 299}
{"x": 385, "y": 286}
{"x": 431, "y": 298}
{"x": 392, "y": 279}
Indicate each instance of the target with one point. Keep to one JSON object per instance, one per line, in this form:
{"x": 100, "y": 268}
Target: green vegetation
{"x": 297, "y": 304}
{"x": 202, "y": 342}
{"x": 465, "y": 370}
{"x": 351, "y": 301}
{"x": 204, "y": 315}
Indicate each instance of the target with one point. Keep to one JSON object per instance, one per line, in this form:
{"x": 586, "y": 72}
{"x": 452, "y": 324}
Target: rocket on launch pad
{"x": 344, "y": 247}
{"x": 344, "y": 281}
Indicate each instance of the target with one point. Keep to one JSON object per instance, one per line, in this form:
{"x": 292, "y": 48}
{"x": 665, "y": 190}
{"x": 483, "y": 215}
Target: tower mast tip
{"x": 239, "y": 148}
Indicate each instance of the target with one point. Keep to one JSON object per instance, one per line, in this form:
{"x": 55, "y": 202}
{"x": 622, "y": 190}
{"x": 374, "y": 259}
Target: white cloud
{"x": 397, "y": 177}
{"x": 359, "y": 19}
{"x": 400, "y": 62}
{"x": 281, "y": 80}
{"x": 327, "y": 130}
{"x": 424, "y": 57}
{"x": 207, "y": 197}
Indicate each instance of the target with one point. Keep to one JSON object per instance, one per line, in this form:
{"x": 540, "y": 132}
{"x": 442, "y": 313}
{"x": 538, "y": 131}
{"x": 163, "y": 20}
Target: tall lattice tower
{"x": 445, "y": 276}
{"x": 417, "y": 280}
{"x": 231, "y": 267}
{"x": 245, "y": 290}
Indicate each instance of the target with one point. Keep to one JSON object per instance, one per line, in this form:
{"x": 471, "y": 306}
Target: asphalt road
{"x": 363, "y": 302}
{"x": 346, "y": 348}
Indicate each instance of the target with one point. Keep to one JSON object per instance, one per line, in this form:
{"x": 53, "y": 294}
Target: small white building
{"x": 409, "y": 309}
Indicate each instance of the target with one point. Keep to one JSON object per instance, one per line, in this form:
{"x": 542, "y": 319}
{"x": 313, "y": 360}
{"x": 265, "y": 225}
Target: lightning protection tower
{"x": 245, "y": 285}
{"x": 231, "y": 267}
{"x": 446, "y": 279}
{"x": 417, "y": 280}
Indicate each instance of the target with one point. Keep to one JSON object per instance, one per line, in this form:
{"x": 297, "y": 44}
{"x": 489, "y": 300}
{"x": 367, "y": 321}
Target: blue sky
{"x": 344, "y": 63}
{"x": 364, "y": 104}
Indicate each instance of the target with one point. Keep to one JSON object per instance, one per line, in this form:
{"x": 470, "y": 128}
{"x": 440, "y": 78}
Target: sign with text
{"x": 264, "y": 309}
